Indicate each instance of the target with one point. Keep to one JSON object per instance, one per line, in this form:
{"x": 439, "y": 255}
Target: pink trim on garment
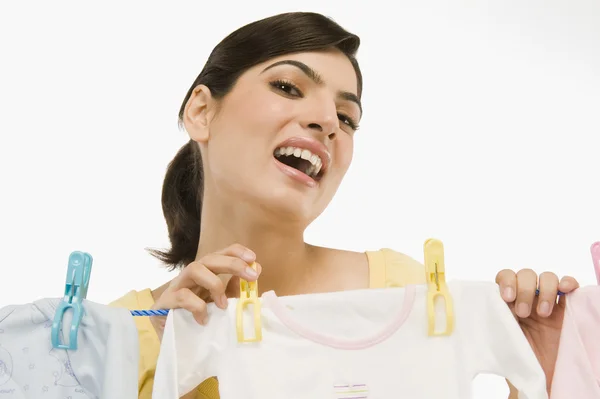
{"x": 285, "y": 316}
{"x": 595, "y": 249}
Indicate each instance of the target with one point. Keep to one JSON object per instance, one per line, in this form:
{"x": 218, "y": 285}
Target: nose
{"x": 322, "y": 119}
{"x": 319, "y": 128}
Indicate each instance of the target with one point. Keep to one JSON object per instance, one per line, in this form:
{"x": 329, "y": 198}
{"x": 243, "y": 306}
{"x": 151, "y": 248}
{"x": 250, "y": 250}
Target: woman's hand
{"x": 540, "y": 317}
{"x": 203, "y": 281}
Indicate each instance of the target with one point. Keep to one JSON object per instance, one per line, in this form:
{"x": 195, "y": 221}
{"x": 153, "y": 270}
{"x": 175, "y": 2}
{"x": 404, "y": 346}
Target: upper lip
{"x": 312, "y": 145}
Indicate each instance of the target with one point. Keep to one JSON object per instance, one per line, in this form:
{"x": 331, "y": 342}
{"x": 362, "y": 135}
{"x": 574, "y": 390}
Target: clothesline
{"x": 165, "y": 312}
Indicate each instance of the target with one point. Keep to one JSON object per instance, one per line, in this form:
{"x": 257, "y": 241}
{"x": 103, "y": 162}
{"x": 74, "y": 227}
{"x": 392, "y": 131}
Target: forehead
{"x": 332, "y": 66}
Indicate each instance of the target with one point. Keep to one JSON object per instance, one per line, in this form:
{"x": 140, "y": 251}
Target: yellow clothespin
{"x": 436, "y": 285}
{"x": 248, "y": 295}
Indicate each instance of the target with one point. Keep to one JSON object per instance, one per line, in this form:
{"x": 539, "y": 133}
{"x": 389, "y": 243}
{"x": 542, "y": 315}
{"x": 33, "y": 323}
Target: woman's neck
{"x": 285, "y": 258}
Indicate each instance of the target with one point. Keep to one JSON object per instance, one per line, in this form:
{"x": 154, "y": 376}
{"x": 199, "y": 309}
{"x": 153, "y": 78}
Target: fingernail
{"x": 205, "y": 320}
{"x": 523, "y": 309}
{"x": 224, "y": 300}
{"x": 545, "y": 308}
{"x": 248, "y": 256}
{"x": 250, "y": 272}
{"x": 509, "y": 294}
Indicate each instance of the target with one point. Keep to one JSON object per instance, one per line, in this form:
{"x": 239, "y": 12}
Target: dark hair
{"x": 248, "y": 46}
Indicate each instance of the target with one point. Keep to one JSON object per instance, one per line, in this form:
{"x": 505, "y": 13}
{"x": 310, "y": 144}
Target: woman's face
{"x": 282, "y": 139}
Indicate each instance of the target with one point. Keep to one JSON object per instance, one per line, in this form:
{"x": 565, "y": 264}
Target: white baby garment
{"x": 362, "y": 344}
{"x": 104, "y": 365}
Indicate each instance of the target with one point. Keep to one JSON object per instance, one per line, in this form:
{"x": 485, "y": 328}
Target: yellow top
{"x": 387, "y": 268}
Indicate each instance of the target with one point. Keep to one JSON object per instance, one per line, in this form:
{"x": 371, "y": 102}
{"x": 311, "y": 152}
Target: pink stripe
{"x": 282, "y": 313}
{"x": 596, "y": 259}
{"x": 350, "y": 386}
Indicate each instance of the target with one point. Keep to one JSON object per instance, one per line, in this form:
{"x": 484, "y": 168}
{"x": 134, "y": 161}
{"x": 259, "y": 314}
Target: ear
{"x": 198, "y": 113}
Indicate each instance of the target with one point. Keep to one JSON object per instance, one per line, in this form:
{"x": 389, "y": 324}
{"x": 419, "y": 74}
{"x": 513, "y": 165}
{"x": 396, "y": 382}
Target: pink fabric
{"x": 577, "y": 373}
{"x": 595, "y": 249}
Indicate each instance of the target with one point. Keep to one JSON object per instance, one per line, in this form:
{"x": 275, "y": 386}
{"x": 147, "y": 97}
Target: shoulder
{"x": 382, "y": 268}
{"x": 138, "y": 300}
{"x": 132, "y": 300}
{"x": 389, "y": 268}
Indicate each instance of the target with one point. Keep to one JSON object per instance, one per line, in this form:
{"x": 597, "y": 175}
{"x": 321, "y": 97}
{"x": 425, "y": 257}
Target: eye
{"x": 286, "y": 87}
{"x": 345, "y": 119}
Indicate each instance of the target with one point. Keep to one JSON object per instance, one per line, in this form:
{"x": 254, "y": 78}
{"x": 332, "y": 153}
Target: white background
{"x": 481, "y": 128}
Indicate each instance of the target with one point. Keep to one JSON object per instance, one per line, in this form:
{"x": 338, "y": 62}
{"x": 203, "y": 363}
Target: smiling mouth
{"x": 302, "y": 160}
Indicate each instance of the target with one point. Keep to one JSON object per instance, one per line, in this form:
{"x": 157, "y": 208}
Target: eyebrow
{"x": 315, "y": 77}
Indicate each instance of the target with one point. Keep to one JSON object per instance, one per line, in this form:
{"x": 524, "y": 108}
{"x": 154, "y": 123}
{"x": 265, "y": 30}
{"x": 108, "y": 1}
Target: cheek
{"x": 277, "y": 109}
{"x": 244, "y": 133}
{"x": 344, "y": 152}
{"x": 260, "y": 112}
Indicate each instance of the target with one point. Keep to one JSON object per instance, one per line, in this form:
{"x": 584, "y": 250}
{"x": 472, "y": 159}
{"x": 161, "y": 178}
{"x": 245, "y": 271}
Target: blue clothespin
{"x": 78, "y": 279}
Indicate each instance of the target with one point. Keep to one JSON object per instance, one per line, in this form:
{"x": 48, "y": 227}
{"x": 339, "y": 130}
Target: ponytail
{"x": 182, "y": 206}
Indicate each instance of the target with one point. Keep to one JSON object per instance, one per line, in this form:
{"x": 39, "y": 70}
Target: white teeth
{"x": 305, "y": 154}
{"x": 315, "y": 160}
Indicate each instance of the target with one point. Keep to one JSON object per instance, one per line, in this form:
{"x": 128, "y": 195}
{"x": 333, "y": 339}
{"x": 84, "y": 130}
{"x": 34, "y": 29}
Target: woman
{"x": 271, "y": 120}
